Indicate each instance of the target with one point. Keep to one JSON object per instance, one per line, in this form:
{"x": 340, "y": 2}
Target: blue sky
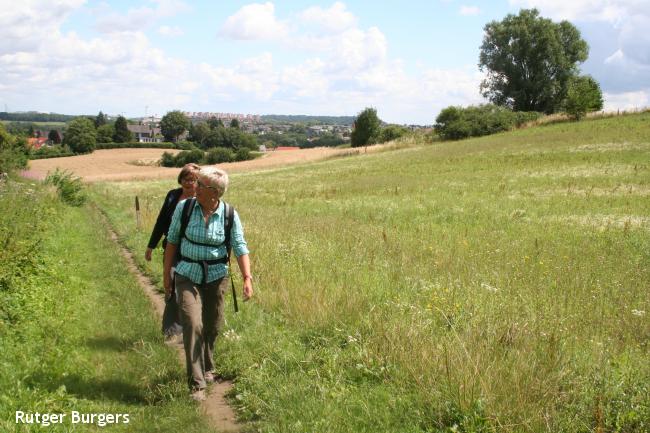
{"x": 407, "y": 59}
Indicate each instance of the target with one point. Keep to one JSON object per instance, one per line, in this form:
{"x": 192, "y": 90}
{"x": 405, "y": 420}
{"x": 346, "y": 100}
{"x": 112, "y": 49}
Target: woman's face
{"x": 188, "y": 183}
{"x": 206, "y": 194}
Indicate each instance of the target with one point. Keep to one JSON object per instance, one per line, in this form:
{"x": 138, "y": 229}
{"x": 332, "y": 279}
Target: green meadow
{"x": 498, "y": 284}
{"x": 493, "y": 284}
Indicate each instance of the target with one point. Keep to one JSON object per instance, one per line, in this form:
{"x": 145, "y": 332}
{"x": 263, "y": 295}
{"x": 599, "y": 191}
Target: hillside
{"x": 492, "y": 284}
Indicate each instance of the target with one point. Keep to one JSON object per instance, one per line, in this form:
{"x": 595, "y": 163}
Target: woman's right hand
{"x": 147, "y": 254}
{"x": 168, "y": 287}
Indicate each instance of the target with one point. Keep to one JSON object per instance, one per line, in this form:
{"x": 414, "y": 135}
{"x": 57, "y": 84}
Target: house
{"x": 145, "y": 133}
{"x": 37, "y": 142}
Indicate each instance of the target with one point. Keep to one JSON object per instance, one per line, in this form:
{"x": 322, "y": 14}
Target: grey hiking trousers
{"x": 201, "y": 311}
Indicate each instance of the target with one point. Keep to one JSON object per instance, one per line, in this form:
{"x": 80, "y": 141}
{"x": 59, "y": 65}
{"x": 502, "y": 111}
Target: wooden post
{"x": 137, "y": 213}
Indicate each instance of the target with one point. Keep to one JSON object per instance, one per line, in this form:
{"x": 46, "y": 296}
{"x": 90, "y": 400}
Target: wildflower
{"x": 231, "y": 335}
{"x": 638, "y": 313}
{"x": 489, "y": 288}
{"x": 351, "y": 339}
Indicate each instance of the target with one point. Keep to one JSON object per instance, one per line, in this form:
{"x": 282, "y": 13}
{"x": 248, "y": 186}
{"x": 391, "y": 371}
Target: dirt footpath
{"x": 139, "y": 164}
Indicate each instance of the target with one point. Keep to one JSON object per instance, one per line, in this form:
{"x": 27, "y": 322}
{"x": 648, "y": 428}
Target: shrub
{"x": 186, "y": 145}
{"x": 583, "y": 96}
{"x": 137, "y": 145}
{"x": 219, "y": 155}
{"x": 167, "y": 160}
{"x": 13, "y": 152}
{"x": 243, "y": 154}
{"x": 187, "y": 156}
{"x": 455, "y": 123}
{"x": 46, "y": 152}
{"x": 392, "y": 132}
{"x": 69, "y": 187}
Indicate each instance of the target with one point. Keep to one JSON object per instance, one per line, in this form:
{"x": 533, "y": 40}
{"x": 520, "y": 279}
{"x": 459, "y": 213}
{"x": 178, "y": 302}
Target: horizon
{"x": 314, "y": 58}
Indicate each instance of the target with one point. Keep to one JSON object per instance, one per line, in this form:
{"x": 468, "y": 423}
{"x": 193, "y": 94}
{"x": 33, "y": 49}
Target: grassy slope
{"x": 85, "y": 338}
{"x": 494, "y": 284}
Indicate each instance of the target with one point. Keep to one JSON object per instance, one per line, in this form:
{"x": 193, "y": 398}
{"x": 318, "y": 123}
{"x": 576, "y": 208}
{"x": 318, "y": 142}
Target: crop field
{"x": 498, "y": 284}
{"x": 141, "y": 164}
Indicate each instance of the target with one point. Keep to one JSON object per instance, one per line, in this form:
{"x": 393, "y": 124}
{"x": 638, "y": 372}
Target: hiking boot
{"x": 198, "y": 395}
{"x": 209, "y": 377}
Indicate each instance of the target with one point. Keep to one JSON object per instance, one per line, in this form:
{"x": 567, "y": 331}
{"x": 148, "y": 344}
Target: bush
{"x": 392, "y": 132}
{"x": 13, "y": 152}
{"x": 137, "y": 145}
{"x": 186, "y": 145}
{"x": 46, "y": 152}
{"x": 243, "y": 154}
{"x": 455, "y": 123}
{"x": 69, "y": 187}
{"x": 219, "y": 155}
{"x": 167, "y": 160}
{"x": 583, "y": 96}
{"x": 187, "y": 156}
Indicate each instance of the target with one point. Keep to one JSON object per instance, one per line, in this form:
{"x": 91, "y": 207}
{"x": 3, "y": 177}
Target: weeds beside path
{"x": 76, "y": 333}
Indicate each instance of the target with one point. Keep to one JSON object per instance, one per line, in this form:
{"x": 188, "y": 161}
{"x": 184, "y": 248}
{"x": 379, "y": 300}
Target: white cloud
{"x": 343, "y": 69}
{"x": 333, "y": 20}
{"x": 24, "y": 24}
{"x": 469, "y": 10}
{"x": 627, "y": 100}
{"x": 253, "y": 22}
{"x": 137, "y": 19}
{"x": 170, "y": 31}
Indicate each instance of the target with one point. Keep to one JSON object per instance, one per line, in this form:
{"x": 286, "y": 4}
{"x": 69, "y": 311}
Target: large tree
{"x": 529, "y": 61}
{"x": 366, "y": 128}
{"x": 80, "y": 135}
{"x": 122, "y": 133}
{"x": 173, "y": 124}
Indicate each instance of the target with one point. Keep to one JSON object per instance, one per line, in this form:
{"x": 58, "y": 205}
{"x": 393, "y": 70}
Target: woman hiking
{"x": 202, "y": 274}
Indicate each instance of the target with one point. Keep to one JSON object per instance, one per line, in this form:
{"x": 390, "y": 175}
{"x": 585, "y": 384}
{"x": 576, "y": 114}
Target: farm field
{"x": 139, "y": 164}
{"x": 497, "y": 284}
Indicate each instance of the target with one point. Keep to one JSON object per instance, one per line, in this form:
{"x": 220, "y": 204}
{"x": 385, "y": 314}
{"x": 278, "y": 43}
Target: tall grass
{"x": 471, "y": 286}
{"x": 76, "y": 330}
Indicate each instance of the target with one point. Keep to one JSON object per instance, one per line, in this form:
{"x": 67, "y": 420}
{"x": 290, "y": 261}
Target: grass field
{"x": 497, "y": 284}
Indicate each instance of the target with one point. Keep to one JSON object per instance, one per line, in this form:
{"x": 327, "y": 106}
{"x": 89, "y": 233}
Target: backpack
{"x": 188, "y": 207}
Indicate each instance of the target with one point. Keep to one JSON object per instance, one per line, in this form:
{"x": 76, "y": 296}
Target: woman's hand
{"x": 248, "y": 288}
{"x": 167, "y": 283}
{"x": 147, "y": 254}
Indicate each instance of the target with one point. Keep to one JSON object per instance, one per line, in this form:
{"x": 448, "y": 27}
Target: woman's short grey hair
{"x": 216, "y": 177}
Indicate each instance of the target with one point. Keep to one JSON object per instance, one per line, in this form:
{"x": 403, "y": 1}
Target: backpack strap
{"x": 228, "y": 219}
{"x": 188, "y": 207}
{"x": 227, "y": 225}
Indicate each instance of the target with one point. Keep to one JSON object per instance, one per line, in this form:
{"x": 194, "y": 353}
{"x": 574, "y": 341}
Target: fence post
{"x": 137, "y": 213}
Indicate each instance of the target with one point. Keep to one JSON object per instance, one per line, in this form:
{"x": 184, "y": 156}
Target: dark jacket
{"x": 165, "y": 217}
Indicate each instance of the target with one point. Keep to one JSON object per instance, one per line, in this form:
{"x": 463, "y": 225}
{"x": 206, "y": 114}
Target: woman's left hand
{"x": 248, "y": 288}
